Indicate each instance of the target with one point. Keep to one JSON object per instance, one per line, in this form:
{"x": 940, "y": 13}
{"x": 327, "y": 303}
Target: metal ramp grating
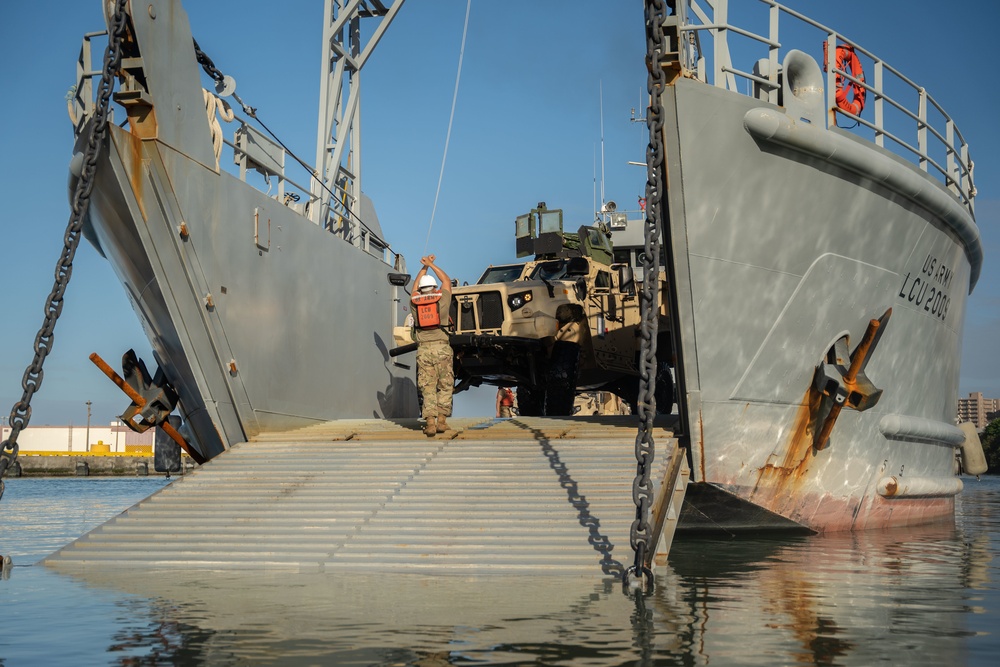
{"x": 526, "y": 494}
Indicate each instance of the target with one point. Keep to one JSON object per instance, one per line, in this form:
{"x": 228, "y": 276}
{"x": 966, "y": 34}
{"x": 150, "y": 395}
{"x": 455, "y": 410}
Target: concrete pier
{"x": 96, "y": 465}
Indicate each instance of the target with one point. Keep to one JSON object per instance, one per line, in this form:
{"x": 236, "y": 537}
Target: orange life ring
{"x": 847, "y": 61}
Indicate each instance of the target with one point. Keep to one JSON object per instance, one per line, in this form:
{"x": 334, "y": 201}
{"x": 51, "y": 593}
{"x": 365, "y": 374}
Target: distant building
{"x": 113, "y": 438}
{"x": 977, "y": 409}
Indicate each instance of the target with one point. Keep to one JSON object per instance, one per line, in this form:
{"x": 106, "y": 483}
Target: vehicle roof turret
{"x": 540, "y": 233}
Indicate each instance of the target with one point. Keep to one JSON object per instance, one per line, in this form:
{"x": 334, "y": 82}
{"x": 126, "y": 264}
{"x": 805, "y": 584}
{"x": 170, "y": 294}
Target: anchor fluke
{"x": 152, "y": 401}
{"x": 842, "y": 380}
{"x": 159, "y": 398}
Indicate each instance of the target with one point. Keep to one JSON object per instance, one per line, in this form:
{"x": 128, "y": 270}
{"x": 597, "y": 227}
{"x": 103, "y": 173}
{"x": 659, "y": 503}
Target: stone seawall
{"x": 84, "y": 466}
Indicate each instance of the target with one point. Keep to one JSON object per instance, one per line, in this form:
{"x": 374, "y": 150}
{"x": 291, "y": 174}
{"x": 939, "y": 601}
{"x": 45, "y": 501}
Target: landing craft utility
{"x": 792, "y": 327}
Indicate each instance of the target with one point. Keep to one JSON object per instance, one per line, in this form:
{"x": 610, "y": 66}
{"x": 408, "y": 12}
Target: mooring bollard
{"x": 142, "y": 469}
{"x": 82, "y": 469}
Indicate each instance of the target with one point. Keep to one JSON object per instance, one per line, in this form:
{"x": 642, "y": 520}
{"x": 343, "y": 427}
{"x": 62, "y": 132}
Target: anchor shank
{"x": 141, "y": 403}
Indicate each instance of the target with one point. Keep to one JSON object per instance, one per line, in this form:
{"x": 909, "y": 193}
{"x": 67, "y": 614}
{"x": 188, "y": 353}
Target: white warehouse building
{"x": 113, "y": 438}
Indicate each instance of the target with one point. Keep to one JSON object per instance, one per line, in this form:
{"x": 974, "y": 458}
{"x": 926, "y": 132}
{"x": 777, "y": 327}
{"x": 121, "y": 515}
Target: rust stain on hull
{"x": 899, "y": 512}
{"x": 134, "y": 168}
{"x": 825, "y": 513}
{"x": 779, "y": 487}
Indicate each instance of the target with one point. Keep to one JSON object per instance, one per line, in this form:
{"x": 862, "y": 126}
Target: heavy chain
{"x": 20, "y": 414}
{"x": 642, "y": 492}
{"x": 207, "y": 63}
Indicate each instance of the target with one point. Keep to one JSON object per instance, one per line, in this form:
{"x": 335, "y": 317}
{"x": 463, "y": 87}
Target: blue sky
{"x": 527, "y": 128}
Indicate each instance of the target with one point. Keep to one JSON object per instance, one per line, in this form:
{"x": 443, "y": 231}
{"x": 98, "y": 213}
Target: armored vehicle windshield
{"x": 504, "y": 273}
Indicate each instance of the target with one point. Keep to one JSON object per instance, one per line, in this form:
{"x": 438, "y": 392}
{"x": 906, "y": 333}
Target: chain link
{"x": 642, "y": 492}
{"x": 207, "y": 63}
{"x": 20, "y": 414}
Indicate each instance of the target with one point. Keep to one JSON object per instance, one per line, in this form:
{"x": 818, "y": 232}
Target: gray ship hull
{"x": 781, "y": 247}
{"x": 260, "y": 318}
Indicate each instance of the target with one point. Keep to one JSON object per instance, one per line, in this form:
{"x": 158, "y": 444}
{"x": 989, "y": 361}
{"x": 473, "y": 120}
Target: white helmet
{"x": 426, "y": 280}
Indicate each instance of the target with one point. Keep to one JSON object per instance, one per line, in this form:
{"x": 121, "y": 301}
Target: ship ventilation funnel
{"x": 802, "y": 88}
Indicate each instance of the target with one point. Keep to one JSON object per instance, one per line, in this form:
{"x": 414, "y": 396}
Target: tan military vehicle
{"x": 564, "y": 322}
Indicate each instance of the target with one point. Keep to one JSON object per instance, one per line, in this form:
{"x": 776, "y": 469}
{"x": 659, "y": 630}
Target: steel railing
{"x": 917, "y": 129}
{"x": 341, "y": 221}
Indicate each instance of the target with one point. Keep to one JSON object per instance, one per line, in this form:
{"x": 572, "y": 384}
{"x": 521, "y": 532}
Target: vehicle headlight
{"x": 518, "y": 300}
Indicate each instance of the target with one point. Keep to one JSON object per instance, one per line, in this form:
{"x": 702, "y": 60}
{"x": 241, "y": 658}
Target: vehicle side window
{"x": 602, "y": 280}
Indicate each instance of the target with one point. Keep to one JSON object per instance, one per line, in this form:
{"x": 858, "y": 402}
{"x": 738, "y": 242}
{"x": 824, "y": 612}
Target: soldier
{"x": 435, "y": 360}
{"x": 505, "y": 402}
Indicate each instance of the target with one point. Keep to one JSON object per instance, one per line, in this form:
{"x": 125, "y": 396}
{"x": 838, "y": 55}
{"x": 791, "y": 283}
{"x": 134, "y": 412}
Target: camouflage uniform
{"x": 436, "y": 377}
{"x": 436, "y": 365}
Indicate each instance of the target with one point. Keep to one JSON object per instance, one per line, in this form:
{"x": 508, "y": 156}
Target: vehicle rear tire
{"x": 560, "y": 389}
{"x": 627, "y": 389}
{"x": 530, "y": 400}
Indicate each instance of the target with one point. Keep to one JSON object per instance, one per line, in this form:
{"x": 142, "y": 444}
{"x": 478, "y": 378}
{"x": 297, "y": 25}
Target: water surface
{"x": 924, "y": 596}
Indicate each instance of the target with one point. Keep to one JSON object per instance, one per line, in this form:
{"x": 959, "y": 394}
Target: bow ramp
{"x": 519, "y": 495}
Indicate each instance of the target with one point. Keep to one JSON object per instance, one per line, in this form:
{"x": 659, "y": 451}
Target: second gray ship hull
{"x": 782, "y": 246}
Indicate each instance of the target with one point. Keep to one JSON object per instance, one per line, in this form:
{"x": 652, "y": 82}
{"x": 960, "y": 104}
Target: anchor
{"x": 842, "y": 377}
{"x": 152, "y": 400}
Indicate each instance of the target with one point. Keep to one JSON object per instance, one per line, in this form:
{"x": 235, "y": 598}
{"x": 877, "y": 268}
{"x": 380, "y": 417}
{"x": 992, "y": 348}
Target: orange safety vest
{"x": 507, "y": 397}
{"x": 428, "y": 316}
